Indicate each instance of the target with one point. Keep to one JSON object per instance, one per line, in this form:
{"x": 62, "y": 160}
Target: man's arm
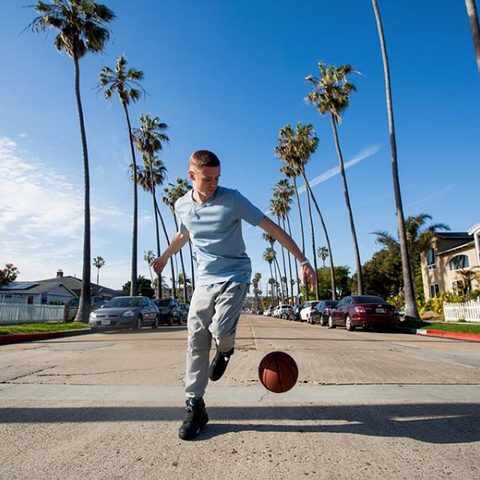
{"x": 287, "y": 241}
{"x": 179, "y": 240}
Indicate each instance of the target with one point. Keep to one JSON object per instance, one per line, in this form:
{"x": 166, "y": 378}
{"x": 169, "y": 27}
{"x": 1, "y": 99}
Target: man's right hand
{"x": 158, "y": 265}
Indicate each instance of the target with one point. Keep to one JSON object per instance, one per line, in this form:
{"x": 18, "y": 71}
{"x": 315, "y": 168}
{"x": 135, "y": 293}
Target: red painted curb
{"x": 470, "y": 337}
{"x": 28, "y": 337}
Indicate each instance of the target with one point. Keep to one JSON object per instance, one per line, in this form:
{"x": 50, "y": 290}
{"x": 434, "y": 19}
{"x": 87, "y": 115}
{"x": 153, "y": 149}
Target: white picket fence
{"x": 469, "y": 311}
{"x": 16, "y": 314}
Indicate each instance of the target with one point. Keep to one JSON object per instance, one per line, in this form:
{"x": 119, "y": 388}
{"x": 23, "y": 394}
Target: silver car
{"x": 125, "y": 312}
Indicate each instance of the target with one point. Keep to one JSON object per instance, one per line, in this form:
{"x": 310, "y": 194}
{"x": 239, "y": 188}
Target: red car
{"x": 363, "y": 311}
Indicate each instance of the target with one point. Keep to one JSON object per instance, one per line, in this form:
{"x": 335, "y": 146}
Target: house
{"x": 452, "y": 253}
{"x": 58, "y": 289}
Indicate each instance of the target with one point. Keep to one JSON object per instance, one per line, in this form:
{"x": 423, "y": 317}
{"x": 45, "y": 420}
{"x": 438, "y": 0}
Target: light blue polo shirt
{"x": 216, "y": 232}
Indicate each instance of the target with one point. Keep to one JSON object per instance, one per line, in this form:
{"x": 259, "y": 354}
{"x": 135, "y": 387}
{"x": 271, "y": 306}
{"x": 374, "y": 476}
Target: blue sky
{"x": 226, "y": 76}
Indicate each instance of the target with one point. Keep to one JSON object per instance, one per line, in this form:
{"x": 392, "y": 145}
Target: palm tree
{"x": 256, "y": 290}
{"x": 466, "y": 277}
{"x": 277, "y": 208}
{"x": 269, "y": 257}
{"x": 419, "y": 238}
{"x": 322, "y": 253}
{"x": 149, "y": 139}
{"x": 271, "y": 240}
{"x": 82, "y": 26}
{"x": 149, "y": 256}
{"x": 295, "y": 149}
{"x": 171, "y": 196}
{"x": 411, "y": 310}
{"x": 98, "y": 263}
{"x": 123, "y": 81}
{"x": 473, "y": 18}
{"x": 331, "y": 94}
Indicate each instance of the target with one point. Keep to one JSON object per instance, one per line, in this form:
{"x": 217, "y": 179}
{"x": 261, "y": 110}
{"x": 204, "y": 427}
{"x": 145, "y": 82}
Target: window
{"x": 431, "y": 259}
{"x": 459, "y": 261}
{"x": 434, "y": 290}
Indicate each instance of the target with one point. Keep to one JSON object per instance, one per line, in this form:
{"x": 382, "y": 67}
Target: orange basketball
{"x": 278, "y": 372}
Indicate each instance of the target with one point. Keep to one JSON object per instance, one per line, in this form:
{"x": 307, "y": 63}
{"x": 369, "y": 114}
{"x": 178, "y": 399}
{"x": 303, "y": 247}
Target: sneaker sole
{"x": 191, "y": 436}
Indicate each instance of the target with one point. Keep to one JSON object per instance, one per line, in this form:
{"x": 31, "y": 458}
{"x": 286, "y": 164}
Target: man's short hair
{"x": 204, "y": 158}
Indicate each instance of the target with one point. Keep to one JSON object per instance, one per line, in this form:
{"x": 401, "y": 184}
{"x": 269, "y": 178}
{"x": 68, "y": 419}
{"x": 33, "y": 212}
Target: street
{"x": 367, "y": 405}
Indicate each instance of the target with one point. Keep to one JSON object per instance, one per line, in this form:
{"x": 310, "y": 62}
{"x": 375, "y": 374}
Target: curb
{"x": 469, "y": 337}
{"x": 32, "y": 337}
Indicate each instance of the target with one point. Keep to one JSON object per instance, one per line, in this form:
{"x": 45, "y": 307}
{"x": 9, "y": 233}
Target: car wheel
{"x": 323, "y": 322}
{"x": 170, "y": 320}
{"x": 179, "y": 321}
{"x": 138, "y": 323}
{"x": 330, "y": 322}
{"x": 156, "y": 322}
{"x": 349, "y": 324}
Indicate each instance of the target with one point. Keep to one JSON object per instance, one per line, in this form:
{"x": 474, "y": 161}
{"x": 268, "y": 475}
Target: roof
{"x": 474, "y": 229}
{"x": 458, "y": 247}
{"x": 453, "y": 235}
{"x": 74, "y": 283}
{"x": 33, "y": 288}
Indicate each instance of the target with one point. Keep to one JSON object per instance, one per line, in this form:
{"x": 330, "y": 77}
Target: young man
{"x": 211, "y": 217}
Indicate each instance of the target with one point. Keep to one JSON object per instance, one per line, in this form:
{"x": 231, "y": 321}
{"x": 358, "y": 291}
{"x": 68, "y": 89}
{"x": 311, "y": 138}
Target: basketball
{"x": 278, "y": 372}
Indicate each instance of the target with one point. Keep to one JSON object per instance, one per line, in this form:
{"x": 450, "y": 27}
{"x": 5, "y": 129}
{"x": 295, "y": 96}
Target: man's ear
{"x": 191, "y": 175}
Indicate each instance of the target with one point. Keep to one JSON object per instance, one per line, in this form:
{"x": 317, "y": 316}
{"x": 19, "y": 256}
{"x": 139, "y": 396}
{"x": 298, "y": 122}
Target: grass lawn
{"x": 443, "y": 326}
{"x": 42, "y": 327}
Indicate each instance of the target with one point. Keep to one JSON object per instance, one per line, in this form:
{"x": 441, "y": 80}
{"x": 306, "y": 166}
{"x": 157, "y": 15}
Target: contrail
{"x": 368, "y": 152}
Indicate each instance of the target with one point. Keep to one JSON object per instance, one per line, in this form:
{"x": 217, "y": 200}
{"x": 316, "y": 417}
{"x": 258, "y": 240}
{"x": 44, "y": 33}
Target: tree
{"x": 149, "y": 256}
{"x": 149, "y": 139}
{"x": 271, "y": 240}
{"x": 98, "y": 262}
{"x": 419, "y": 237}
{"x": 82, "y": 26}
{"x": 295, "y": 149}
{"x": 144, "y": 287}
{"x": 8, "y": 274}
{"x": 411, "y": 310}
{"x": 123, "y": 81}
{"x": 256, "y": 288}
{"x": 269, "y": 257}
{"x": 322, "y": 253}
{"x": 475, "y": 28}
{"x": 172, "y": 194}
{"x": 331, "y": 94}
{"x": 466, "y": 278}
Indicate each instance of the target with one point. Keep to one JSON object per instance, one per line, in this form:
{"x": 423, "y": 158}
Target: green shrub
{"x": 436, "y": 304}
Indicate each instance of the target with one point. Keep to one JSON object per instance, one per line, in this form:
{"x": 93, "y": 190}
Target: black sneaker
{"x": 219, "y": 365}
{"x": 196, "y": 419}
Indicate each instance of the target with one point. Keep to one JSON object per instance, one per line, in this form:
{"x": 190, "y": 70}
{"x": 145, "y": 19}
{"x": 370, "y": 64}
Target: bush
{"x": 436, "y": 304}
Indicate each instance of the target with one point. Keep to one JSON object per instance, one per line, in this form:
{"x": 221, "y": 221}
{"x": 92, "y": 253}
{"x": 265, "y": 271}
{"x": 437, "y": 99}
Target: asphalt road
{"x": 367, "y": 405}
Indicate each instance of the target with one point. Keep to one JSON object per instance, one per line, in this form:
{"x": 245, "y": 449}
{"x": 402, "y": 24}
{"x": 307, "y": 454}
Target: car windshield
{"x": 162, "y": 303}
{"x": 126, "y": 302}
{"x": 331, "y": 303}
{"x": 368, "y": 299}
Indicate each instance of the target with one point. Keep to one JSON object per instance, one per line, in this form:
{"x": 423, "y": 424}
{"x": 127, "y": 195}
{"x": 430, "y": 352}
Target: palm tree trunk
{"x": 299, "y": 214}
{"x": 317, "y": 291}
{"x": 84, "y": 306}
{"x": 271, "y": 286}
{"x": 164, "y": 228}
{"x": 279, "y": 276}
{"x": 185, "y": 293}
{"x": 349, "y": 207}
{"x": 191, "y": 264}
{"x": 327, "y": 238}
{"x": 411, "y": 310}
{"x": 289, "y": 255}
{"x": 473, "y": 18}
{"x": 284, "y": 264}
{"x": 134, "y": 274}
{"x": 98, "y": 276}
{"x": 158, "y": 292}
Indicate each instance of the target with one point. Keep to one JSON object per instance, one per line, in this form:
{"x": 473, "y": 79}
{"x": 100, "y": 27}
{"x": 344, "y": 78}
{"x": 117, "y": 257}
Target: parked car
{"x": 307, "y": 310}
{"x": 296, "y": 312}
{"x": 268, "y": 312}
{"x": 284, "y": 311}
{"x": 184, "y": 307}
{"x": 364, "y": 311}
{"x": 169, "y": 311}
{"x": 72, "y": 305}
{"x": 125, "y": 312}
{"x": 322, "y": 311}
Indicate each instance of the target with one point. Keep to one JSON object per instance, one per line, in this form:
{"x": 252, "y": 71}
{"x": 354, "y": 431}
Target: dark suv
{"x": 169, "y": 311}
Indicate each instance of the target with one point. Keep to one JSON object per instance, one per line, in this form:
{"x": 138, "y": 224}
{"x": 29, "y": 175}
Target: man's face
{"x": 205, "y": 179}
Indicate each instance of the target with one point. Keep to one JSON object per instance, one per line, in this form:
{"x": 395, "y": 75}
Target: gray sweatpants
{"x": 214, "y": 312}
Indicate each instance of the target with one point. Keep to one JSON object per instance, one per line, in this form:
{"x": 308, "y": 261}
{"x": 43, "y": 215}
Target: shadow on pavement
{"x": 441, "y": 423}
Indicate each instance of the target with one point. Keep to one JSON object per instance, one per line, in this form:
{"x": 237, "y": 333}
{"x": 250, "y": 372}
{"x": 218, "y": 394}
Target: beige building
{"x": 451, "y": 253}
